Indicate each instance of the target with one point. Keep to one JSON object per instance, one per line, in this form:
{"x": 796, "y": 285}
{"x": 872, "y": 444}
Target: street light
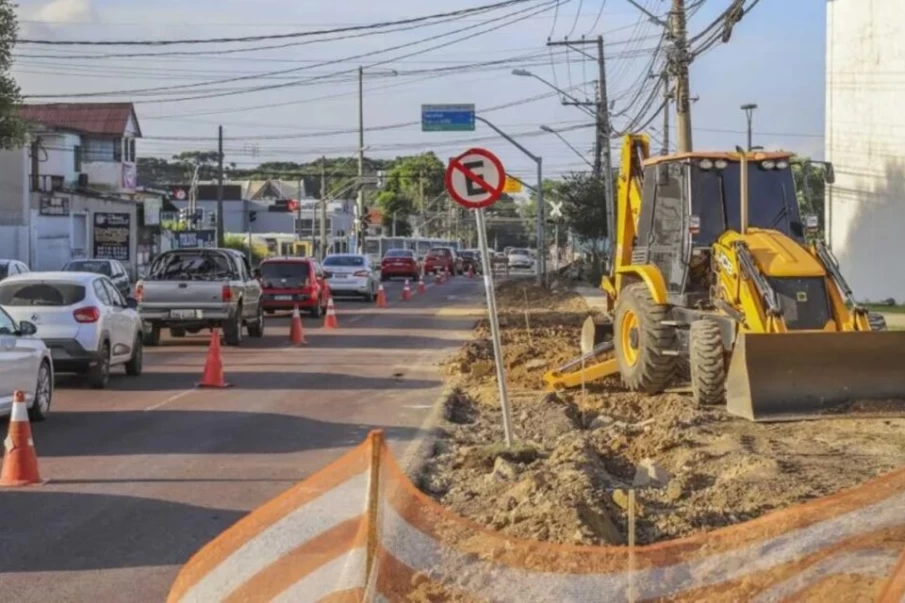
{"x": 550, "y": 130}
{"x": 579, "y": 104}
{"x": 749, "y": 109}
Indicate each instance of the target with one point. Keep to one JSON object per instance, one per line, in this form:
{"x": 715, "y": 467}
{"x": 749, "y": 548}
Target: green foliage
{"x": 584, "y": 213}
{"x": 810, "y": 188}
{"x": 240, "y": 243}
{"x": 13, "y": 131}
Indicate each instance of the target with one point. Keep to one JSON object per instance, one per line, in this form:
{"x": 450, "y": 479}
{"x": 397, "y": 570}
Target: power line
{"x": 298, "y": 34}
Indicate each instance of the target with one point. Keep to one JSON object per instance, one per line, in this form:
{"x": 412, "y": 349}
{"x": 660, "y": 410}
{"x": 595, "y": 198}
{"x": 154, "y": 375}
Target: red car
{"x": 400, "y": 263}
{"x": 290, "y": 282}
{"x": 442, "y": 258}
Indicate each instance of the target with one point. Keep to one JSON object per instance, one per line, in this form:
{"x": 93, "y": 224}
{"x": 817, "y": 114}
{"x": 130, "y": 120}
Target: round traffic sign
{"x": 475, "y": 179}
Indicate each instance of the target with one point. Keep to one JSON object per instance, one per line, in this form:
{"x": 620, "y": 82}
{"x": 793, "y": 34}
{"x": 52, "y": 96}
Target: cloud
{"x": 66, "y": 11}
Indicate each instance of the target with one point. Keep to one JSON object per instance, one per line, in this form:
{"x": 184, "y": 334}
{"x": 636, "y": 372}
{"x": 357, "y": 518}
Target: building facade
{"x": 865, "y": 138}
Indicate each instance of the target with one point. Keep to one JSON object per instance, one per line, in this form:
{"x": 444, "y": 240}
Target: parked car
{"x": 443, "y": 258}
{"x": 82, "y": 318}
{"x": 350, "y": 274}
{"x": 400, "y": 263}
{"x": 112, "y": 269}
{"x": 25, "y": 365}
{"x": 12, "y": 268}
{"x": 471, "y": 258}
{"x": 520, "y": 258}
{"x": 293, "y": 281}
{"x": 188, "y": 290}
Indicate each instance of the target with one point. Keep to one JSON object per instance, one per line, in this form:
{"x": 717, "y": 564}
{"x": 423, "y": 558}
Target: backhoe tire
{"x": 708, "y": 365}
{"x": 640, "y": 337}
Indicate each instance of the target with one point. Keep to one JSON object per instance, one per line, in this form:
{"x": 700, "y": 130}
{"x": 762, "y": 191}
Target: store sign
{"x": 152, "y": 209}
{"x": 112, "y": 236}
{"x": 54, "y": 206}
{"x": 195, "y": 238}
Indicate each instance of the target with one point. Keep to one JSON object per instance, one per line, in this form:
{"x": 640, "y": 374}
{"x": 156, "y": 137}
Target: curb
{"x": 419, "y": 451}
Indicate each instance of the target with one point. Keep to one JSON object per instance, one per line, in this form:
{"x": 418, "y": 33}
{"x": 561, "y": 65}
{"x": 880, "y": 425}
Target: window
{"x": 40, "y": 294}
{"x": 114, "y": 295}
{"x": 95, "y": 266}
{"x": 7, "y": 325}
{"x": 293, "y": 274}
{"x": 101, "y": 293}
{"x": 77, "y": 158}
{"x": 400, "y": 253}
{"x": 344, "y": 260}
{"x": 118, "y": 149}
{"x": 132, "y": 150}
{"x": 192, "y": 264}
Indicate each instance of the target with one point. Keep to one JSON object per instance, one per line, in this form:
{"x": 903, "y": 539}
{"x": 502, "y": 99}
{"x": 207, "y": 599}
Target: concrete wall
{"x": 865, "y": 138}
{"x": 58, "y": 157}
{"x": 14, "y": 168}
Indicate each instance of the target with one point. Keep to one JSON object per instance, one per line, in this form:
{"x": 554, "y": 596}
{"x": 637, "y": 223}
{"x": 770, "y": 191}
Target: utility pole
{"x": 679, "y": 63}
{"x": 323, "y": 208}
{"x": 360, "y": 203}
{"x": 666, "y": 98}
{"x": 421, "y": 195}
{"x": 749, "y": 109}
{"x": 220, "y": 226}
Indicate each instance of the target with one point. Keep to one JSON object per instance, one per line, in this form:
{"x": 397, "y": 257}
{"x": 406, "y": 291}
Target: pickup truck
{"x": 188, "y": 290}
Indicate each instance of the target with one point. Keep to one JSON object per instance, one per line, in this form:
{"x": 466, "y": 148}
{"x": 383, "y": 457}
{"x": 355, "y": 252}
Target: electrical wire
{"x": 577, "y": 15}
{"x": 597, "y": 18}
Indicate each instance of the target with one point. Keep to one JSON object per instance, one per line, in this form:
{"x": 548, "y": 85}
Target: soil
{"x": 578, "y": 452}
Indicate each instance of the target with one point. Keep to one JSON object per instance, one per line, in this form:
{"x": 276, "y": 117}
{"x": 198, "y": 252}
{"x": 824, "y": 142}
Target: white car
{"x": 84, "y": 320}
{"x": 12, "y": 268}
{"x": 26, "y": 366}
{"x": 351, "y": 274}
{"x": 520, "y": 258}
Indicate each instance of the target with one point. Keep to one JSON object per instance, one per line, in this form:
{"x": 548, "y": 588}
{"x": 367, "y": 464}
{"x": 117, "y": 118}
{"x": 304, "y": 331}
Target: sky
{"x": 775, "y": 58}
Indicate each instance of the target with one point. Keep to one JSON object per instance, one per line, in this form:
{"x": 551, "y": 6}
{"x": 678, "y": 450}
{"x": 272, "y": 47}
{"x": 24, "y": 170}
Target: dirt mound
{"x": 693, "y": 469}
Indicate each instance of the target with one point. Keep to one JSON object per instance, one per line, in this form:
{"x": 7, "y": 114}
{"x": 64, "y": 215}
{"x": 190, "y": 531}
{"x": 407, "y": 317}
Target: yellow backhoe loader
{"x": 711, "y": 275}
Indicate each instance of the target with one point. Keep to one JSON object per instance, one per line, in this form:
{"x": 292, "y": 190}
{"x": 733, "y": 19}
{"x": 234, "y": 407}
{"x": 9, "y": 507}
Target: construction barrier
{"x": 359, "y": 530}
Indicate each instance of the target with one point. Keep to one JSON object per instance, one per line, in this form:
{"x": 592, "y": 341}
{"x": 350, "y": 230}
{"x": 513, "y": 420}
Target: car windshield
{"x": 189, "y": 265}
{"x": 519, "y": 252}
{"x": 716, "y": 200}
{"x": 439, "y": 253}
{"x": 30, "y": 293}
{"x": 89, "y": 266}
{"x": 344, "y": 260}
{"x": 294, "y": 272}
{"x": 399, "y": 253}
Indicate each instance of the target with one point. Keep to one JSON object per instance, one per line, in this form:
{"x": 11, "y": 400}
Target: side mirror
{"x": 27, "y": 329}
{"x": 131, "y": 303}
{"x": 812, "y": 223}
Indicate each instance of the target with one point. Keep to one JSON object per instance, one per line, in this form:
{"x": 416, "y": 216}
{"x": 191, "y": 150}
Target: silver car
{"x": 25, "y": 365}
{"x": 351, "y": 274}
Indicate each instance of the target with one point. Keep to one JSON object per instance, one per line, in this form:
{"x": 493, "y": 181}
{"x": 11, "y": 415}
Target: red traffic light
{"x": 292, "y": 205}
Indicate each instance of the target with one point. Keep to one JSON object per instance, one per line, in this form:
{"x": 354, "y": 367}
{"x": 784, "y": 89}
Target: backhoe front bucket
{"x": 793, "y": 376}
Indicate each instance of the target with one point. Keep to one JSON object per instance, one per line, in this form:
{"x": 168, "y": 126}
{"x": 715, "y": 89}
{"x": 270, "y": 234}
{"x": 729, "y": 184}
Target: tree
{"x": 13, "y": 130}
{"x": 810, "y": 188}
{"x": 584, "y": 213}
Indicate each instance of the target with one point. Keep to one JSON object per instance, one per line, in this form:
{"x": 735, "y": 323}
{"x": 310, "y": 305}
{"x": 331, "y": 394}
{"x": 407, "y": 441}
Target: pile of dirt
{"x": 693, "y": 469}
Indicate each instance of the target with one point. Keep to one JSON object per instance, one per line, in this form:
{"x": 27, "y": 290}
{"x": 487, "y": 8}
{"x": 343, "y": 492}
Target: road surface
{"x": 146, "y": 472}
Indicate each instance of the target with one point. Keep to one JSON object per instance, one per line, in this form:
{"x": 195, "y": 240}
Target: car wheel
{"x": 256, "y": 329}
{"x": 99, "y": 373}
{"x": 177, "y": 332}
{"x": 232, "y": 331}
{"x": 43, "y": 394}
{"x": 136, "y": 362}
{"x": 152, "y": 337}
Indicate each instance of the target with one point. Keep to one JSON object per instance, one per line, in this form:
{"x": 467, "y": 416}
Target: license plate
{"x": 185, "y": 313}
{"x": 282, "y": 297}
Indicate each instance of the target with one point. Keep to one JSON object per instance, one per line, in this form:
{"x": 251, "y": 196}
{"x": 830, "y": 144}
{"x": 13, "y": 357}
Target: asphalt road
{"x": 146, "y": 472}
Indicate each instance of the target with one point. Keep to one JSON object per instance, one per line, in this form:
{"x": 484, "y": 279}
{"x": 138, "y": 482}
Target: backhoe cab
{"x": 712, "y": 278}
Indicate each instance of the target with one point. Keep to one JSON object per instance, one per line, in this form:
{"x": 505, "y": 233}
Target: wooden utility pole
{"x": 679, "y": 67}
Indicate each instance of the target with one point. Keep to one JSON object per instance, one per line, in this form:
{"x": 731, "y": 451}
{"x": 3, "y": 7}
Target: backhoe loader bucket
{"x": 793, "y": 376}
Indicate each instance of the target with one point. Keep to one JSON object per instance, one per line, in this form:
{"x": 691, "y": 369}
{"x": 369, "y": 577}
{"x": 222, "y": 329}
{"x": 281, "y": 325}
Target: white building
{"x": 865, "y": 140}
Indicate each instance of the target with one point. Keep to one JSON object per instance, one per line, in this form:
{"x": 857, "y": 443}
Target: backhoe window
{"x": 716, "y": 199}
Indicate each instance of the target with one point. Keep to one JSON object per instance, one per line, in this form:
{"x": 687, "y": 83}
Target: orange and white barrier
{"x": 330, "y": 321}
{"x": 359, "y": 530}
{"x": 20, "y": 460}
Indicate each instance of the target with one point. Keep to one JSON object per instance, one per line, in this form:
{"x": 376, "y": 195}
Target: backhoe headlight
{"x": 706, "y": 164}
{"x": 721, "y": 164}
{"x": 781, "y": 165}
{"x": 768, "y": 164}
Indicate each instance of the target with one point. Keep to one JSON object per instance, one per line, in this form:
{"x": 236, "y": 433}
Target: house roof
{"x": 103, "y": 119}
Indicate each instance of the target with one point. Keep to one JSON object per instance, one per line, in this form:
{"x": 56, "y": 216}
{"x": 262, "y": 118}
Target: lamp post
{"x": 749, "y": 109}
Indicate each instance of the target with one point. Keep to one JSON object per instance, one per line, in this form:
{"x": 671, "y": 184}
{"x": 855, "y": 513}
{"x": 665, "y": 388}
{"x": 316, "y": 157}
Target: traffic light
{"x": 252, "y": 216}
{"x": 284, "y": 205}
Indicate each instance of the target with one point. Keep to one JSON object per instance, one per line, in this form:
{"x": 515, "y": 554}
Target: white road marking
{"x": 172, "y": 398}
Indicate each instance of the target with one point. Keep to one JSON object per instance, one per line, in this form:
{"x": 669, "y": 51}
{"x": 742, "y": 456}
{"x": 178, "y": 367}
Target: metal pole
{"x": 749, "y": 115}
{"x": 360, "y": 204}
{"x": 494, "y": 326}
{"x": 220, "y": 225}
{"x": 541, "y": 238}
{"x": 680, "y": 65}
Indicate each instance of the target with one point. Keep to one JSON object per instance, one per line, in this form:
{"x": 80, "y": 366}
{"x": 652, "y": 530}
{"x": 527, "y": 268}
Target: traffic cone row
{"x": 406, "y": 291}
{"x": 20, "y": 461}
{"x": 212, "y": 377}
{"x": 296, "y": 331}
{"x": 381, "y": 297}
{"x": 421, "y": 287}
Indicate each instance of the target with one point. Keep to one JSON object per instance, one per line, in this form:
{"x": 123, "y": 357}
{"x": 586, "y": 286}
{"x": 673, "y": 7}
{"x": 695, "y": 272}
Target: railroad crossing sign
{"x": 475, "y": 179}
{"x": 556, "y": 211}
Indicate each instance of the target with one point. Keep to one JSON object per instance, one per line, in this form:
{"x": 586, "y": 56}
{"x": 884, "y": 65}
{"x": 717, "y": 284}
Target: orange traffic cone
{"x": 330, "y": 320}
{"x": 296, "y": 332}
{"x": 421, "y": 287}
{"x": 437, "y": 278}
{"x": 213, "y": 366}
{"x": 20, "y": 463}
{"x": 381, "y": 297}
{"x": 406, "y": 291}
{"x": 327, "y": 291}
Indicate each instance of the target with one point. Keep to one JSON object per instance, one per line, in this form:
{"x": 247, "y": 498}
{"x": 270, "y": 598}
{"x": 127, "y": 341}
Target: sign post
{"x": 475, "y": 180}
